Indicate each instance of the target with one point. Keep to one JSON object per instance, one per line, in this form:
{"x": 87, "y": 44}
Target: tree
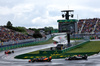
{"x": 37, "y": 34}
{"x": 33, "y": 29}
{"x": 48, "y": 30}
{"x": 9, "y": 24}
{"x": 20, "y": 29}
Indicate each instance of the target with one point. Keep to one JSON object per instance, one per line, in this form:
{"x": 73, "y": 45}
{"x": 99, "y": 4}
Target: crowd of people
{"x": 88, "y": 25}
{"x": 97, "y": 30}
{"x": 7, "y": 35}
{"x": 80, "y": 24}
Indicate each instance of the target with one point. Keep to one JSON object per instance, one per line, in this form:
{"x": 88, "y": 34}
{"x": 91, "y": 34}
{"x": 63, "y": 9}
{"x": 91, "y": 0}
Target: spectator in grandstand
{"x": 30, "y": 32}
{"x": 89, "y": 25}
{"x": 97, "y": 29}
{"x": 9, "y": 35}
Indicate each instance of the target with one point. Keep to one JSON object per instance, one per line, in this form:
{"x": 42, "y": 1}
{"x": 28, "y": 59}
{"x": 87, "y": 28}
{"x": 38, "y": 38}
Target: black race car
{"x": 42, "y": 59}
{"x": 77, "y": 58}
{"x": 9, "y": 52}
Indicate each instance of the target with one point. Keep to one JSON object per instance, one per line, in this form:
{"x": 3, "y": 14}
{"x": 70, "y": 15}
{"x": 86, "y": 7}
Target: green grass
{"x": 93, "y": 46}
{"x": 47, "y": 42}
{"x": 43, "y": 43}
{"x": 89, "y": 48}
{"x": 35, "y": 52}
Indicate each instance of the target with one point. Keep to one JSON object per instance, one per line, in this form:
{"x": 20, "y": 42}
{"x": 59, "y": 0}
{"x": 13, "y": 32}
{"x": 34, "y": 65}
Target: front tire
{"x": 49, "y": 60}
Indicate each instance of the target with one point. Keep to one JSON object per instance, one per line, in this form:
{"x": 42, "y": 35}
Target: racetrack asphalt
{"x": 8, "y": 60}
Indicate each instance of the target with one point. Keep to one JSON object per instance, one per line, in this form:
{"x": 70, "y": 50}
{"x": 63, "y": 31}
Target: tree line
{"x": 37, "y": 34}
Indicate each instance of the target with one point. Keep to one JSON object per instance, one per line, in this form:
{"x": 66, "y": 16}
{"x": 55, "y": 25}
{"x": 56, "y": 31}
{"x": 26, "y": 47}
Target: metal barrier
{"x": 55, "y": 54}
{"x": 75, "y": 46}
{"x": 22, "y": 44}
{"x": 26, "y": 40}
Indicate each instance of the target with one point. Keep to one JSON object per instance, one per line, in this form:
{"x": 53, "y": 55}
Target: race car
{"x": 42, "y": 59}
{"x": 77, "y": 58}
{"x": 9, "y": 52}
{"x": 55, "y": 42}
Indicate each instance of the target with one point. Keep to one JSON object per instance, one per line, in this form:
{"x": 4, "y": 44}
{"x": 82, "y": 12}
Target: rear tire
{"x": 5, "y": 52}
{"x": 33, "y": 61}
{"x": 12, "y": 51}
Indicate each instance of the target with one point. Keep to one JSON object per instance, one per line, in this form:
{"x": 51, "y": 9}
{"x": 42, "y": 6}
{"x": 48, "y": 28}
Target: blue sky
{"x": 42, "y": 13}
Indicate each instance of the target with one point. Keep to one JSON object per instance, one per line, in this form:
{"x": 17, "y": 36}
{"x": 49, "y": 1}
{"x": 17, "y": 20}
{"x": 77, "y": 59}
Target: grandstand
{"x": 9, "y": 36}
{"x": 86, "y": 27}
{"x": 89, "y": 27}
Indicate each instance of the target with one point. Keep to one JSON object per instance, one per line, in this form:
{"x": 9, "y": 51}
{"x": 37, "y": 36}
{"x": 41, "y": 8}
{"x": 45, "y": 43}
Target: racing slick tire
{"x": 12, "y": 51}
{"x": 5, "y": 53}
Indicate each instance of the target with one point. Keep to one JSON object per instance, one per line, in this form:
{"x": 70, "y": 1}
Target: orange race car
{"x": 42, "y": 59}
{"x": 9, "y": 52}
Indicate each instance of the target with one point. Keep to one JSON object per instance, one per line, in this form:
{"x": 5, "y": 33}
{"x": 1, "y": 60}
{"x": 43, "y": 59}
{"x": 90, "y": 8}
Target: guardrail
{"x": 75, "y": 46}
{"x": 55, "y": 54}
{"x": 63, "y": 50}
{"x": 26, "y": 40}
{"x": 21, "y": 44}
